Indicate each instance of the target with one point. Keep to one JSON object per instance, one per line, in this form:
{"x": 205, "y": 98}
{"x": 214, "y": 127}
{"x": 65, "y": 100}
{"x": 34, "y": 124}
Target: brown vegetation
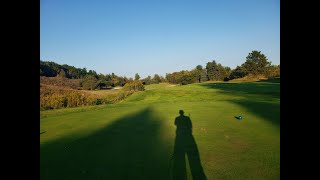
{"x": 61, "y": 81}
{"x": 55, "y": 97}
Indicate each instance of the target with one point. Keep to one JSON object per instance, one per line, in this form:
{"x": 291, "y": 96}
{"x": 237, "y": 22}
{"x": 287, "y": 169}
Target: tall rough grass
{"x": 62, "y": 82}
{"x": 53, "y": 97}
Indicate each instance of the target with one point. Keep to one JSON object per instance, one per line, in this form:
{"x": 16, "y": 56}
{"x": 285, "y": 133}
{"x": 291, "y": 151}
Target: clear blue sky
{"x": 157, "y": 36}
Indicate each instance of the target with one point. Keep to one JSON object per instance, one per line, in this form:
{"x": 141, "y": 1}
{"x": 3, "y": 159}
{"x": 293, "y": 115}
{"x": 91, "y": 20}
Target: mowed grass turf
{"x": 134, "y": 139}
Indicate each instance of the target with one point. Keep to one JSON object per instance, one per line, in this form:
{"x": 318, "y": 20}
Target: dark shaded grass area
{"x": 130, "y": 148}
{"x": 244, "y": 89}
{"x": 271, "y": 80}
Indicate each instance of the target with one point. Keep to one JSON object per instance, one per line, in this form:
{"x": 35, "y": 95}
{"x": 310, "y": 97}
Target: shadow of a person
{"x": 185, "y": 144}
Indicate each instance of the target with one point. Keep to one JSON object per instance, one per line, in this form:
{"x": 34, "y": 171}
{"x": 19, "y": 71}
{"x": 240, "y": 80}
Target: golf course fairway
{"x": 135, "y": 138}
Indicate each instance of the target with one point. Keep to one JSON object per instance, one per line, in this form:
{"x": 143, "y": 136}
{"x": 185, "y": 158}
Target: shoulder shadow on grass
{"x": 129, "y": 148}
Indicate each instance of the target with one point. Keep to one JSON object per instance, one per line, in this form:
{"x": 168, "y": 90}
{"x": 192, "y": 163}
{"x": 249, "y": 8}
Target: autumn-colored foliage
{"x": 55, "y": 97}
{"x": 135, "y": 85}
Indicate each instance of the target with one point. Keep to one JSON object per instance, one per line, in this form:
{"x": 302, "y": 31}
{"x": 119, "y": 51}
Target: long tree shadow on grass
{"x": 271, "y": 80}
{"x": 267, "y": 110}
{"x": 247, "y": 88}
{"x": 185, "y": 145}
{"x": 258, "y": 98}
{"x": 129, "y": 148}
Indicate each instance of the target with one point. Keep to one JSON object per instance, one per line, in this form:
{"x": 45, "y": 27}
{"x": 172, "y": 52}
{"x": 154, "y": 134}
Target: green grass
{"x": 134, "y": 139}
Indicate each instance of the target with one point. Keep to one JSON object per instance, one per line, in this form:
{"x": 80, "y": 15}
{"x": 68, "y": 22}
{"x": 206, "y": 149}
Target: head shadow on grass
{"x": 129, "y": 148}
{"x": 256, "y": 97}
{"x": 185, "y": 145}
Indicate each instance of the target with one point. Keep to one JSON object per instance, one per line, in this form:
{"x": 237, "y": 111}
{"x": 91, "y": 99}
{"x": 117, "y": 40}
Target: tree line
{"x": 90, "y": 80}
{"x": 256, "y": 63}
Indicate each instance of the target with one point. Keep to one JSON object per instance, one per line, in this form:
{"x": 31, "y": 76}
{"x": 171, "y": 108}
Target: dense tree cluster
{"x": 156, "y": 79}
{"x": 89, "y": 79}
{"x": 256, "y": 64}
{"x": 52, "y": 69}
{"x": 212, "y": 72}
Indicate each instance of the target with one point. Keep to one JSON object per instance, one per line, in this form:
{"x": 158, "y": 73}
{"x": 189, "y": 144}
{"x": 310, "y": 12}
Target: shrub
{"x": 238, "y": 72}
{"x": 134, "y": 86}
{"x": 226, "y": 79}
{"x": 99, "y": 101}
{"x": 89, "y": 82}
